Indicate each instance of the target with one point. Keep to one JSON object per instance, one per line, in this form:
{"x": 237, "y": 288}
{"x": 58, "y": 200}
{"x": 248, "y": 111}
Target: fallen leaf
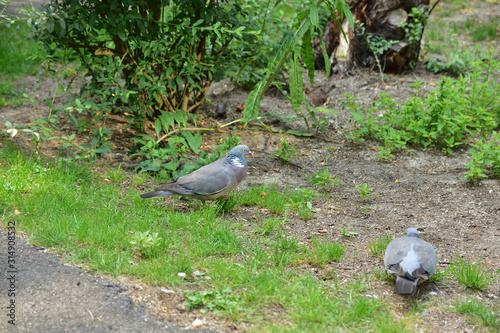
{"x": 374, "y": 148}
{"x": 240, "y": 107}
{"x": 323, "y": 231}
{"x": 263, "y": 194}
{"x": 16, "y": 212}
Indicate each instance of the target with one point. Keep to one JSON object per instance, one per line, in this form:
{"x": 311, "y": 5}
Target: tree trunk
{"x": 387, "y": 35}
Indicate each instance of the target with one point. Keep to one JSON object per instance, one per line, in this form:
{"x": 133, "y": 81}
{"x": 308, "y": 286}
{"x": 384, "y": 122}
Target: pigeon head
{"x": 236, "y": 156}
{"x": 412, "y": 232}
{"x": 240, "y": 151}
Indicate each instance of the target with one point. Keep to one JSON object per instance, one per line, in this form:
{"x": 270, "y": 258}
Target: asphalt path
{"x": 40, "y": 294}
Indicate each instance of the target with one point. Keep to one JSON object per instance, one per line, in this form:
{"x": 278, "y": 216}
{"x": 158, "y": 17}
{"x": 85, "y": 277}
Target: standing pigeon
{"x": 212, "y": 180}
{"x": 411, "y": 259}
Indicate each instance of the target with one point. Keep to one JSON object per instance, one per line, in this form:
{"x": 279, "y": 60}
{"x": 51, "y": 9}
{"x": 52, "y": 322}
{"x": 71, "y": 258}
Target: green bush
{"x": 449, "y": 117}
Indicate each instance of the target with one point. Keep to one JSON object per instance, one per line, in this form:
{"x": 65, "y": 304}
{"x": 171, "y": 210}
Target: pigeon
{"x": 411, "y": 259}
{"x": 211, "y": 181}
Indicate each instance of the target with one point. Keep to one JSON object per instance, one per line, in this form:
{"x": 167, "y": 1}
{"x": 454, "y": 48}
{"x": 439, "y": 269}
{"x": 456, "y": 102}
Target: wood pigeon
{"x": 212, "y": 180}
{"x": 411, "y": 259}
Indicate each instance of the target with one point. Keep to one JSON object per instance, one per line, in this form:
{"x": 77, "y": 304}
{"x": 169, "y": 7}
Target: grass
{"x": 377, "y": 247}
{"x": 250, "y": 273}
{"x": 471, "y": 275}
{"x": 18, "y": 58}
{"x": 480, "y": 312}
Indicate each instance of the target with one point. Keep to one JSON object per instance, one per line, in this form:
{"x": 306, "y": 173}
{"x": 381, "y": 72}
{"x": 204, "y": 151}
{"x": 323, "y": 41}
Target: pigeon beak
{"x": 250, "y": 153}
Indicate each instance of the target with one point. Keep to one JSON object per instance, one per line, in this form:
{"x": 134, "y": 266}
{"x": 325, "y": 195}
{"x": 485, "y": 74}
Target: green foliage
{"x": 364, "y": 191}
{"x": 146, "y": 243}
{"x": 377, "y": 45}
{"x": 484, "y": 31}
{"x": 279, "y": 202}
{"x": 211, "y": 300}
{"x": 322, "y": 178}
{"x": 377, "y": 248}
{"x": 167, "y": 161}
{"x": 414, "y": 28}
{"x": 286, "y": 152}
{"x": 269, "y": 225}
{"x": 345, "y": 232}
{"x": 324, "y": 252}
{"x": 294, "y": 43}
{"x": 168, "y": 53}
{"x": 479, "y": 311}
{"x": 19, "y": 56}
{"x": 448, "y": 117}
{"x": 471, "y": 275}
{"x": 485, "y": 155}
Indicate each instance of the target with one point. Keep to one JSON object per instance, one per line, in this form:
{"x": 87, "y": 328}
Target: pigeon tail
{"x": 155, "y": 194}
{"x": 405, "y": 286}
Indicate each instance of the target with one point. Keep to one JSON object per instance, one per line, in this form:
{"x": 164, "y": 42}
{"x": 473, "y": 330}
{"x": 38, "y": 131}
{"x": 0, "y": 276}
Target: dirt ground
{"x": 424, "y": 189}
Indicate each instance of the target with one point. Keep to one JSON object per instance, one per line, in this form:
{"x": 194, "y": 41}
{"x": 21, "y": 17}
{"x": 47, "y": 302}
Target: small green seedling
{"x": 286, "y": 152}
{"x": 322, "y": 178}
{"x": 347, "y": 233}
{"x": 364, "y": 191}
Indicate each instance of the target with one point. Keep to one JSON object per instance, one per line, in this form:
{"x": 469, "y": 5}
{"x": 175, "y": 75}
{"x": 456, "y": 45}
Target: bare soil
{"x": 424, "y": 189}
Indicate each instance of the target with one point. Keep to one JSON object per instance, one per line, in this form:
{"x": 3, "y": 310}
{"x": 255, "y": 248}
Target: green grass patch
{"x": 472, "y": 275}
{"x": 62, "y": 204}
{"x": 19, "y": 56}
{"x": 479, "y": 312}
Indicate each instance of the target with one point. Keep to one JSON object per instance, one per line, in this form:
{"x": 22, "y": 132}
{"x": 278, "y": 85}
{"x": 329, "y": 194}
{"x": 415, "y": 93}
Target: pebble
{"x": 197, "y": 323}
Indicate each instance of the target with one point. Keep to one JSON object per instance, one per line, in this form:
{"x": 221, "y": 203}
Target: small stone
{"x": 432, "y": 293}
{"x": 181, "y": 308}
{"x": 197, "y": 323}
{"x": 167, "y": 291}
{"x": 182, "y": 275}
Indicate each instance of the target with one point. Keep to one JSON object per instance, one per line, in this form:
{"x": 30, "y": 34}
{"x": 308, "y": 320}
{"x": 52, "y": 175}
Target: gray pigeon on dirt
{"x": 212, "y": 180}
{"x": 411, "y": 259}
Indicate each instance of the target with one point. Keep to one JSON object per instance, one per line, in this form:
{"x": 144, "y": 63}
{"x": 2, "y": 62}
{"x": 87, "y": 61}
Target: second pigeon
{"x": 411, "y": 259}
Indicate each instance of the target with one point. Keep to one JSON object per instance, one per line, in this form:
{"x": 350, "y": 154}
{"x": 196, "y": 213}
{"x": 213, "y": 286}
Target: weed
{"x": 116, "y": 175}
{"x": 322, "y": 178}
{"x": 325, "y": 252}
{"x": 347, "y": 233}
{"x": 364, "y": 191}
{"x": 471, "y": 275}
{"x": 211, "y": 300}
{"x": 270, "y": 225}
{"x": 438, "y": 276}
{"x": 452, "y": 114}
{"x": 146, "y": 243}
{"x": 382, "y": 274}
{"x": 486, "y": 153}
{"x": 484, "y": 31}
{"x": 480, "y": 311}
{"x": 139, "y": 178}
{"x": 377, "y": 248}
{"x": 365, "y": 209}
{"x": 286, "y": 152}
